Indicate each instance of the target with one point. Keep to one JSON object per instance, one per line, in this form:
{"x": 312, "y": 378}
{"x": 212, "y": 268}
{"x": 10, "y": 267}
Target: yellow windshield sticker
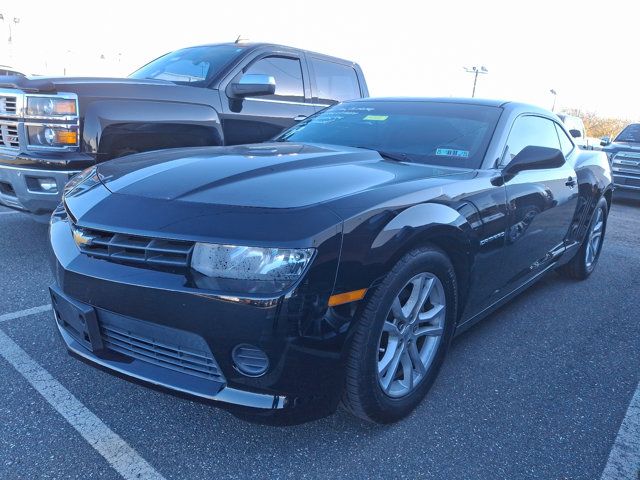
{"x": 376, "y": 118}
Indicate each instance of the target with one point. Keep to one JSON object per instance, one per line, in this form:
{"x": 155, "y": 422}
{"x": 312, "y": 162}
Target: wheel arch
{"x": 430, "y": 224}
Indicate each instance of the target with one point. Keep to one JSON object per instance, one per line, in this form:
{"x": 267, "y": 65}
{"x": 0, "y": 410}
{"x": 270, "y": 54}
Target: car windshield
{"x": 193, "y": 66}
{"x": 631, "y": 134}
{"x": 435, "y": 133}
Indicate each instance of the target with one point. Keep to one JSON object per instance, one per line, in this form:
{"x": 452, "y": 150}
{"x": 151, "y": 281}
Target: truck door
{"x": 260, "y": 118}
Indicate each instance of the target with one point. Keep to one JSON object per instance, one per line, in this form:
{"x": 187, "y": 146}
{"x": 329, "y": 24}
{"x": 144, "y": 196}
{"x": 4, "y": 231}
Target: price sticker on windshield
{"x": 376, "y": 118}
{"x": 450, "y": 152}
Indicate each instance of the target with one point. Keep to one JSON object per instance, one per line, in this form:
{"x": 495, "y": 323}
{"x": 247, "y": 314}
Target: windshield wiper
{"x": 395, "y": 156}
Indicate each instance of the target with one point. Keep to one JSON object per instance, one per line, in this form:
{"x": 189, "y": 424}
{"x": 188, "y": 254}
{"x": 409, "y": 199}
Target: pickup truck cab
{"x": 624, "y": 156}
{"x": 222, "y": 94}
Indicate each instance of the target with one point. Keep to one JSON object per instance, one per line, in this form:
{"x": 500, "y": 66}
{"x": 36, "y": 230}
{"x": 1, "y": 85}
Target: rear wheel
{"x": 585, "y": 260}
{"x": 402, "y": 337}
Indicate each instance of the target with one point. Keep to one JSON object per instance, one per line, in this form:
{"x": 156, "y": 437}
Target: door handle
{"x": 570, "y": 182}
{"x": 299, "y": 118}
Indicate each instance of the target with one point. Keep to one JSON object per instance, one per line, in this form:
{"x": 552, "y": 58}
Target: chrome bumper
{"x": 19, "y": 189}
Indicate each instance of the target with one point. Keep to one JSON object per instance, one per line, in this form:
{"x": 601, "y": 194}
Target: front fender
{"x": 373, "y": 244}
{"x": 106, "y": 119}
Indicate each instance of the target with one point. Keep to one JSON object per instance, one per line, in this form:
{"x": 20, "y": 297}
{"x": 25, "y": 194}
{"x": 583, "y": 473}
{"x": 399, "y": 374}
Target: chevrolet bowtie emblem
{"x": 81, "y": 238}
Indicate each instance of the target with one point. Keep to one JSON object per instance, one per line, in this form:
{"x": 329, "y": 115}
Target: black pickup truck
{"x": 624, "y": 156}
{"x": 222, "y": 94}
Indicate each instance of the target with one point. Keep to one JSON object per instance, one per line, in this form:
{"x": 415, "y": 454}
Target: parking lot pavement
{"x": 538, "y": 390}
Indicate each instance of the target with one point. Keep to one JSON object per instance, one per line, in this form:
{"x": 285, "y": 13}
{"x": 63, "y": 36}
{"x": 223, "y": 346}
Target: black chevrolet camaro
{"x": 330, "y": 266}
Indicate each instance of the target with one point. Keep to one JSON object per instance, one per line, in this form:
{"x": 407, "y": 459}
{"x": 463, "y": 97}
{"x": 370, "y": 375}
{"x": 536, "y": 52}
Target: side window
{"x": 527, "y": 131}
{"x": 566, "y": 145}
{"x": 287, "y": 73}
{"x": 335, "y": 82}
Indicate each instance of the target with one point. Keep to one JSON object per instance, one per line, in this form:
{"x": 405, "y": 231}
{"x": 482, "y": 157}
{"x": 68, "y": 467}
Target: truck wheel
{"x": 401, "y": 337}
{"x": 585, "y": 260}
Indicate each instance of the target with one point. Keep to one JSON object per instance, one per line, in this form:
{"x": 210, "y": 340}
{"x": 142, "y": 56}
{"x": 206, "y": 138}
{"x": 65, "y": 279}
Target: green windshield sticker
{"x": 376, "y": 118}
{"x": 450, "y": 152}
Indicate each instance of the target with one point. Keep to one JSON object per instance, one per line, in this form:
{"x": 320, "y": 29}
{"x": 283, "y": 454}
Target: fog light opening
{"x": 249, "y": 360}
{"x": 48, "y": 184}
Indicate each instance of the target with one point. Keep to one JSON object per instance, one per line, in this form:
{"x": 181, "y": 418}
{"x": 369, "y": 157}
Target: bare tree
{"x": 598, "y": 126}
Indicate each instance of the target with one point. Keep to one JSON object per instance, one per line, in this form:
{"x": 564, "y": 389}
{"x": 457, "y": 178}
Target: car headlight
{"x": 249, "y": 269}
{"x": 51, "y": 107}
{"x": 52, "y": 136}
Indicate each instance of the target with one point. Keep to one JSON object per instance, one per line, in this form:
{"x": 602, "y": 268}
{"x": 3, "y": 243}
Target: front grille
{"x": 133, "y": 249}
{"x": 180, "y": 359}
{"x": 627, "y": 162}
{"x": 7, "y": 105}
{"x": 9, "y": 135}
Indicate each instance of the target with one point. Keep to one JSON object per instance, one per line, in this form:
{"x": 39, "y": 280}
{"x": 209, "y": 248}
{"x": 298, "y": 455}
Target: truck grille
{"x": 133, "y": 249}
{"x": 8, "y": 105}
{"x": 9, "y": 135}
{"x": 199, "y": 364}
{"x": 627, "y": 162}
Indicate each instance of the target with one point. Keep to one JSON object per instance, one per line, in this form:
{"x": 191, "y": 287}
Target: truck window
{"x": 194, "y": 66}
{"x": 287, "y": 73}
{"x": 335, "y": 82}
{"x": 566, "y": 145}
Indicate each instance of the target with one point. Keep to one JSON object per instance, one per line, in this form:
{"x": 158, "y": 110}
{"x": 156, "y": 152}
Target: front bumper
{"x": 19, "y": 186}
{"x": 155, "y": 307}
{"x": 627, "y": 184}
{"x": 148, "y": 367}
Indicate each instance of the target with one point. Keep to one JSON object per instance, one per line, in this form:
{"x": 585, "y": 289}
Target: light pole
{"x": 555, "y": 95}
{"x": 476, "y": 71}
{"x": 15, "y": 21}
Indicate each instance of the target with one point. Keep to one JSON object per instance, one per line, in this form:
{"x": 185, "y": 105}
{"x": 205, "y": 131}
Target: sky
{"x": 586, "y": 51}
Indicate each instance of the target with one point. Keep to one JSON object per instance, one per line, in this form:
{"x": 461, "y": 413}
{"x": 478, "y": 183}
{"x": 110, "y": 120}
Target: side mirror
{"x": 534, "y": 158}
{"x": 253, "y": 84}
{"x": 604, "y": 141}
{"x": 575, "y": 133}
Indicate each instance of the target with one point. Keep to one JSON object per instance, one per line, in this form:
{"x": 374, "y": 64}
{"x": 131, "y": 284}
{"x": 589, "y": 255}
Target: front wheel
{"x": 585, "y": 260}
{"x": 401, "y": 337}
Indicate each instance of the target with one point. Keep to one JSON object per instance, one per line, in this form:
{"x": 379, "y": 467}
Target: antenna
{"x": 240, "y": 39}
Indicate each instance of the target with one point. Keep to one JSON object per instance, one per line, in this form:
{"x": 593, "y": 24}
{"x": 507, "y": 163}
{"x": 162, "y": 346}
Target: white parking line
{"x": 24, "y": 313}
{"x": 624, "y": 459}
{"x": 120, "y": 455}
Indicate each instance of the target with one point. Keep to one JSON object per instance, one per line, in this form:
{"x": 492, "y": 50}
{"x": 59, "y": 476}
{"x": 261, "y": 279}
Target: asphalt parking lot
{"x": 538, "y": 390}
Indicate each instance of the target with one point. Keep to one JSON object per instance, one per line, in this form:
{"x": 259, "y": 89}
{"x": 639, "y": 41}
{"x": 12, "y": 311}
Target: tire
{"x": 583, "y": 264}
{"x": 372, "y": 390}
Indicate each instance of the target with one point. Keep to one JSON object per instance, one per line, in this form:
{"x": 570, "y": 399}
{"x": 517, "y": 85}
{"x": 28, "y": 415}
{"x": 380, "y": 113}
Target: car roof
{"x": 486, "y": 102}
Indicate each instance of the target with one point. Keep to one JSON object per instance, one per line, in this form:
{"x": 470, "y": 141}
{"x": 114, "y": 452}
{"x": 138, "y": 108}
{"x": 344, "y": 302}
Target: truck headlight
{"x": 52, "y": 136}
{"x": 251, "y": 269}
{"x": 51, "y": 107}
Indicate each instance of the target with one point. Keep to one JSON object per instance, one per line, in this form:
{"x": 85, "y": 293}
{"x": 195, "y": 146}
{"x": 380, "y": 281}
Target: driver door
{"x": 541, "y": 203}
{"x": 260, "y": 118}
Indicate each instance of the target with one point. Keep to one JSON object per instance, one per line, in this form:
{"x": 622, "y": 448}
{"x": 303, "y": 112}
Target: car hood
{"x": 275, "y": 175}
{"x": 626, "y": 146}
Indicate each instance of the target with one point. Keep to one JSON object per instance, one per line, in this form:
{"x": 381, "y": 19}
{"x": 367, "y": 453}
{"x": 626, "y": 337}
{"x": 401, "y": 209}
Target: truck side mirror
{"x": 604, "y": 141}
{"x": 253, "y": 84}
{"x": 575, "y": 133}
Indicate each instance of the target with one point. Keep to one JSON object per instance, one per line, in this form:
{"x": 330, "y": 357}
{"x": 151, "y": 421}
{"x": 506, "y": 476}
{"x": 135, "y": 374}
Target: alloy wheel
{"x": 411, "y": 334}
{"x": 594, "y": 239}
